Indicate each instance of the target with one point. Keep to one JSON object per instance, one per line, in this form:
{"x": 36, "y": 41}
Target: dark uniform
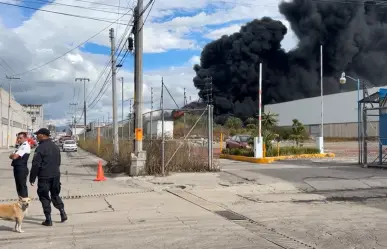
{"x": 45, "y": 166}
{"x": 20, "y": 169}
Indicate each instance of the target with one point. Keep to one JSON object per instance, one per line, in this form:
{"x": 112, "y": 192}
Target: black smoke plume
{"x": 354, "y": 38}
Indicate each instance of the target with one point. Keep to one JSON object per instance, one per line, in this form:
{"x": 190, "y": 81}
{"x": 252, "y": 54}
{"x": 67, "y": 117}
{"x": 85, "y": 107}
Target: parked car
{"x": 238, "y": 141}
{"x": 69, "y": 145}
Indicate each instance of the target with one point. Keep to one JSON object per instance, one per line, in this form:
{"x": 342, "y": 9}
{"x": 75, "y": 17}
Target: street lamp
{"x": 343, "y": 80}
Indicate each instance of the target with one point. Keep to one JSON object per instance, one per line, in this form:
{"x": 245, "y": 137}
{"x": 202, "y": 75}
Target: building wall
{"x": 343, "y": 130}
{"x": 37, "y": 114}
{"x": 340, "y": 114}
{"x": 19, "y": 120}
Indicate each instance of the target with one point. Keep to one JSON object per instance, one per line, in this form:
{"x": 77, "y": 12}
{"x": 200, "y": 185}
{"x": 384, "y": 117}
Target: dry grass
{"x": 188, "y": 158}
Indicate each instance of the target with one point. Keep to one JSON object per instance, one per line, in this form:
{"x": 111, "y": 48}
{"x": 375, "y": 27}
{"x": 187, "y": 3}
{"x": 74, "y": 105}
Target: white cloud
{"x": 217, "y": 33}
{"x": 194, "y": 60}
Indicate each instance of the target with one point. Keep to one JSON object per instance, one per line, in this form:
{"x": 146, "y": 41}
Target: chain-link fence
{"x": 373, "y": 135}
{"x": 175, "y": 140}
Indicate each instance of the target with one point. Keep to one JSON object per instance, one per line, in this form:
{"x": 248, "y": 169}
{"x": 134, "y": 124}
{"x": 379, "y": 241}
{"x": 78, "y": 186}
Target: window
{"x": 69, "y": 142}
{"x": 244, "y": 138}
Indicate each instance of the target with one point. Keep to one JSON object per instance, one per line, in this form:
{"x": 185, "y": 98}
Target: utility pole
{"x": 162, "y": 129}
{"x": 151, "y": 115}
{"x": 74, "y": 118}
{"x": 185, "y": 102}
{"x": 114, "y": 94}
{"x": 139, "y": 156}
{"x": 9, "y": 108}
{"x": 122, "y": 108}
{"x": 130, "y": 117}
{"x": 84, "y": 102}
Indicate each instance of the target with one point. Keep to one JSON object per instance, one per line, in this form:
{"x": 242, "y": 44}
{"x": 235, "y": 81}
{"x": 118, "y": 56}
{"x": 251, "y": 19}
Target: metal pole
{"x": 162, "y": 129}
{"x": 185, "y": 98}
{"x": 130, "y": 117}
{"x": 1, "y": 115}
{"x": 9, "y": 114}
{"x": 122, "y": 108}
{"x": 151, "y": 115}
{"x": 358, "y": 122}
{"x": 260, "y": 103}
{"x": 322, "y": 92}
{"x": 139, "y": 76}
{"x": 98, "y": 139}
{"x": 365, "y": 150}
{"x": 9, "y": 108}
{"x": 114, "y": 95}
{"x": 209, "y": 136}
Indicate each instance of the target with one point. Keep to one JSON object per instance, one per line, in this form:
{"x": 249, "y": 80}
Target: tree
{"x": 234, "y": 123}
{"x": 298, "y": 132}
{"x": 269, "y": 120}
{"x": 251, "y": 120}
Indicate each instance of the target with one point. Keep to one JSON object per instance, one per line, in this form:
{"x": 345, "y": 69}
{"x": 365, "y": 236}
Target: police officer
{"x": 19, "y": 163}
{"x": 45, "y": 166}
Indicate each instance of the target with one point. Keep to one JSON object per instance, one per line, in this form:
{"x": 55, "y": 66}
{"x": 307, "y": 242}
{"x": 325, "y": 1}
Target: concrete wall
{"x": 343, "y": 130}
{"x": 340, "y": 114}
{"x": 19, "y": 120}
{"x": 339, "y": 108}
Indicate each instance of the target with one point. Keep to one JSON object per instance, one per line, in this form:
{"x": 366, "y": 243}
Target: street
{"x": 291, "y": 204}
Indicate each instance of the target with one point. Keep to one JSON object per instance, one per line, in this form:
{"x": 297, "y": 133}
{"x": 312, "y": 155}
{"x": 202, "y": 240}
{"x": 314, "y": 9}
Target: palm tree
{"x": 298, "y": 131}
{"x": 269, "y": 120}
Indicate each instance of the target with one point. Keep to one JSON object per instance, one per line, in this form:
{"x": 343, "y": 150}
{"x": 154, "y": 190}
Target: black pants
{"x": 50, "y": 187}
{"x": 20, "y": 175}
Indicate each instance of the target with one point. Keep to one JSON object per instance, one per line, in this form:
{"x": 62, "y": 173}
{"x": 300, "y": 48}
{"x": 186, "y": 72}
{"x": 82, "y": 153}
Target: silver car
{"x": 69, "y": 145}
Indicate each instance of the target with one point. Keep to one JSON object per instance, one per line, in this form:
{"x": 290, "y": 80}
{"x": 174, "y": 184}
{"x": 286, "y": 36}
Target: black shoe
{"x": 63, "y": 215}
{"x": 48, "y": 221}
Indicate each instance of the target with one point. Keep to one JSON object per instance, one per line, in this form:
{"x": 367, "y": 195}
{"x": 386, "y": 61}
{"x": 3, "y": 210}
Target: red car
{"x": 238, "y": 141}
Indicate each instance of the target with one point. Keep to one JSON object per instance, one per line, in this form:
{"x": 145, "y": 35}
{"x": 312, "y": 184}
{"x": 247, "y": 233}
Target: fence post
{"x": 98, "y": 139}
{"x": 221, "y": 142}
{"x": 209, "y": 137}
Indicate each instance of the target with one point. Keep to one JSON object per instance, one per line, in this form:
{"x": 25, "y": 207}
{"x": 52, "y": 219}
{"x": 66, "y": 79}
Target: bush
{"x": 284, "y": 151}
{"x": 239, "y": 152}
{"x": 189, "y": 158}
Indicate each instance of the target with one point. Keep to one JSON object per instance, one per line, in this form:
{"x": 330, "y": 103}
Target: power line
{"x": 107, "y": 83}
{"x": 69, "y": 51}
{"x": 67, "y": 5}
{"x": 62, "y": 13}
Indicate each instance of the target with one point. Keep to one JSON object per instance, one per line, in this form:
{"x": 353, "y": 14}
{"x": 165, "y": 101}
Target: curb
{"x": 275, "y": 158}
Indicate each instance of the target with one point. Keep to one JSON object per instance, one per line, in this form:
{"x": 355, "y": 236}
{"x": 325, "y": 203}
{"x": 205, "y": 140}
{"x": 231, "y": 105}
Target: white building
{"x": 340, "y": 114}
{"x": 19, "y": 120}
{"x": 37, "y": 115}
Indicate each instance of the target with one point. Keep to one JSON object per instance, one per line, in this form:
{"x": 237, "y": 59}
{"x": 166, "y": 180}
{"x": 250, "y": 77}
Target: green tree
{"x": 298, "y": 132}
{"x": 251, "y": 120}
{"x": 269, "y": 120}
{"x": 234, "y": 123}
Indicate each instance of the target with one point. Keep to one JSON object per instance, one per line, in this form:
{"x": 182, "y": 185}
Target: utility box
{"x": 157, "y": 129}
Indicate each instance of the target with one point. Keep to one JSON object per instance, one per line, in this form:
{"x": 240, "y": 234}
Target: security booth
{"x": 373, "y": 150}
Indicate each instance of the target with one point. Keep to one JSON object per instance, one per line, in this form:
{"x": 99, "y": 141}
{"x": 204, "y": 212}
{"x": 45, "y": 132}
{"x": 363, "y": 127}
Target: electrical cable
{"x": 62, "y": 13}
{"x": 69, "y": 51}
{"x": 67, "y": 5}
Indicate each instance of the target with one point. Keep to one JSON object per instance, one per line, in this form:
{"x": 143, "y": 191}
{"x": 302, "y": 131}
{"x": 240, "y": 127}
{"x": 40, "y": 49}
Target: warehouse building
{"x": 340, "y": 114}
{"x": 19, "y": 119}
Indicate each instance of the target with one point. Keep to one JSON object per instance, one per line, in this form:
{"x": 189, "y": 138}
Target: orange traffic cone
{"x": 100, "y": 174}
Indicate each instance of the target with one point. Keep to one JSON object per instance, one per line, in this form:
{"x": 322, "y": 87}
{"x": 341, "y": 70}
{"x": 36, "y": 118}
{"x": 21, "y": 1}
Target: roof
{"x": 379, "y": 97}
